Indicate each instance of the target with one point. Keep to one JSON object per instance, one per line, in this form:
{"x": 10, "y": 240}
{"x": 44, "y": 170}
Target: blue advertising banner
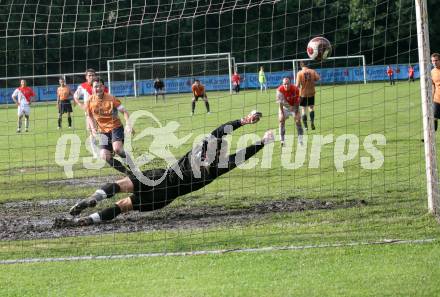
{"x": 221, "y": 82}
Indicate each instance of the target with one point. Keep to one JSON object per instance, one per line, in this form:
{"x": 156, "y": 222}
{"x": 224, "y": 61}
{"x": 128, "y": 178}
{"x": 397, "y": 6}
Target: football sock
{"x": 312, "y": 116}
{"x": 299, "y": 128}
{"x": 435, "y": 125}
{"x": 59, "y": 121}
{"x": 20, "y": 119}
{"x": 69, "y": 119}
{"x": 26, "y": 121}
{"x": 193, "y": 106}
{"x": 304, "y": 119}
{"x": 282, "y": 131}
{"x": 109, "y": 213}
{"x": 107, "y": 191}
{"x": 207, "y": 106}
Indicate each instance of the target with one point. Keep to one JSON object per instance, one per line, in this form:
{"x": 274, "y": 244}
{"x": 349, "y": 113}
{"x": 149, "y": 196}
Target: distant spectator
{"x": 410, "y": 73}
{"x": 262, "y": 79}
{"x": 390, "y": 73}
{"x": 158, "y": 88}
{"x": 236, "y": 79}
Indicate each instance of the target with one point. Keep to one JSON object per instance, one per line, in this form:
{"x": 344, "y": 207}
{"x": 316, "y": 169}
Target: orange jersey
{"x": 198, "y": 90}
{"x": 390, "y": 71}
{"x": 63, "y": 93}
{"x": 104, "y": 111}
{"x": 435, "y": 75}
{"x": 306, "y": 79}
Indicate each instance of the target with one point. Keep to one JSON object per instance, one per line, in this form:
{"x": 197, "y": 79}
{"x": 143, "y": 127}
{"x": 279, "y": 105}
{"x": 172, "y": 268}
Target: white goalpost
{"x": 218, "y": 66}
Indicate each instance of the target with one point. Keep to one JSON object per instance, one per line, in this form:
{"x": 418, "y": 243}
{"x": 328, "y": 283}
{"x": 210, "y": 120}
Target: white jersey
{"x": 21, "y": 99}
{"x": 81, "y": 91}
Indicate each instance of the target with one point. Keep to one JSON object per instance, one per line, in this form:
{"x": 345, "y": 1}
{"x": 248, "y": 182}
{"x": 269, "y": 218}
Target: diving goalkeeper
{"x": 198, "y": 168}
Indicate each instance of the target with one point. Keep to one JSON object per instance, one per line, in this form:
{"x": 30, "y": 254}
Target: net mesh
{"x": 362, "y": 165}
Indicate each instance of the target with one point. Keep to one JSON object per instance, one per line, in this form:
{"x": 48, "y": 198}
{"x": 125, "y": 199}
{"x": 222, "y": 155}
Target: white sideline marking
{"x": 215, "y": 252}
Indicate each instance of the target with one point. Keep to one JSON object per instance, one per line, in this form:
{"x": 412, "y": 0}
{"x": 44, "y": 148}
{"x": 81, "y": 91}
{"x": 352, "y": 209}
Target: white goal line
{"x": 217, "y": 252}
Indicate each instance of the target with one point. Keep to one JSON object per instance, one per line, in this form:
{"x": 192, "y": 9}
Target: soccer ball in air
{"x": 319, "y": 48}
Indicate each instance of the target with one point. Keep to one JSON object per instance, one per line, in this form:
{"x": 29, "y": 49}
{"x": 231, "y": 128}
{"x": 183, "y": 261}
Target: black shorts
{"x": 64, "y": 106}
{"x": 307, "y": 101}
{"x": 116, "y": 135}
{"x": 436, "y": 110}
{"x": 158, "y": 90}
{"x": 196, "y": 98}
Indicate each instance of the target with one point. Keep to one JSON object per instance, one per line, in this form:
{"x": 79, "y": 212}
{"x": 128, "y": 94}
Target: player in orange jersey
{"x": 390, "y": 73}
{"x": 102, "y": 117}
{"x": 63, "y": 102}
{"x": 305, "y": 80}
{"x": 435, "y": 76}
{"x": 198, "y": 92}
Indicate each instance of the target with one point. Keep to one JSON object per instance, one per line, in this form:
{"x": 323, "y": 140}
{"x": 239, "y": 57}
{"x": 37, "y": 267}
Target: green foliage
{"x": 89, "y": 37}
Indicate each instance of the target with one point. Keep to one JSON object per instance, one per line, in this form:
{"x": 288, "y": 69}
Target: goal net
{"x": 359, "y": 174}
{"x": 334, "y": 70}
{"x": 178, "y": 73}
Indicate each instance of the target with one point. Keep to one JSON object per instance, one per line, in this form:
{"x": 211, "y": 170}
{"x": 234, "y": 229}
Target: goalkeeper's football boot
{"x": 313, "y": 126}
{"x": 252, "y": 118}
{"x": 83, "y": 204}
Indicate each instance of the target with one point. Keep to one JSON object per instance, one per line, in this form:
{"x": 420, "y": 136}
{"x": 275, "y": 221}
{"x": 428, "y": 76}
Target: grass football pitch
{"x": 334, "y": 220}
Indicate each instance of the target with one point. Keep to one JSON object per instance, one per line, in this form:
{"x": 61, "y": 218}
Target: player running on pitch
{"x": 288, "y": 100}
{"x": 102, "y": 116}
{"x": 84, "y": 90}
{"x": 22, "y": 97}
{"x": 199, "y": 167}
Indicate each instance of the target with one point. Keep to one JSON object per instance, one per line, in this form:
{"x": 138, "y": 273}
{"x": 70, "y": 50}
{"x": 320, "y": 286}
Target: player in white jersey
{"x": 22, "y": 97}
{"x": 84, "y": 90}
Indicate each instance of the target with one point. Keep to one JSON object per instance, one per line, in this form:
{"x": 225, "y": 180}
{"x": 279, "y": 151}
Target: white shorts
{"x": 288, "y": 113}
{"x": 24, "y": 110}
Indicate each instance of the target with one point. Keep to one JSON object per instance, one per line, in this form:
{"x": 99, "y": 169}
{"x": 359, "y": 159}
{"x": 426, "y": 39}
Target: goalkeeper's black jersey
{"x": 168, "y": 185}
{"x": 191, "y": 173}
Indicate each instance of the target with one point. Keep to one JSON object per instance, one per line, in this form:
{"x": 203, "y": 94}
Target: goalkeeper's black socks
{"x": 69, "y": 119}
{"x": 193, "y": 106}
{"x": 59, "y": 121}
{"x": 435, "y": 124}
{"x": 207, "y": 106}
{"x": 110, "y": 213}
{"x": 111, "y": 189}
